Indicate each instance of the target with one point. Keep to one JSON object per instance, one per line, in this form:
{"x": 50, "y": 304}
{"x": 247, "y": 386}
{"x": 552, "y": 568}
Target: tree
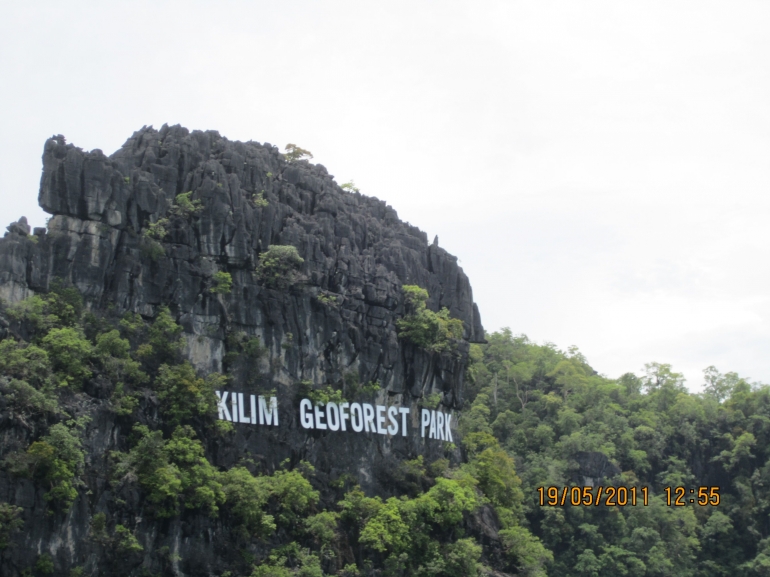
{"x": 222, "y": 283}
{"x": 719, "y": 386}
{"x": 279, "y": 266}
{"x": 69, "y": 351}
{"x": 435, "y": 332}
{"x": 294, "y": 153}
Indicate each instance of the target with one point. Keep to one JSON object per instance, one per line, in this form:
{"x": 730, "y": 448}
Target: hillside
{"x": 216, "y": 361}
{"x": 177, "y": 277}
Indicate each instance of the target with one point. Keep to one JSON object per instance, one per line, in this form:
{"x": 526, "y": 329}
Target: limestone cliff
{"x": 337, "y": 322}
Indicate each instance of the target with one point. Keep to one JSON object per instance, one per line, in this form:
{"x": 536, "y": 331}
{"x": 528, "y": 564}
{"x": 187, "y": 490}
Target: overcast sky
{"x": 601, "y": 169}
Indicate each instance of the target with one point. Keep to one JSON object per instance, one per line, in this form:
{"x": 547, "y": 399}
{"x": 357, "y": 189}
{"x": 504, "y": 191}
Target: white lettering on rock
{"x": 404, "y": 412}
{"x": 369, "y": 418}
{"x": 319, "y": 424}
{"x": 393, "y": 426}
{"x": 268, "y": 415}
{"x": 381, "y": 420}
{"x": 333, "y": 416}
{"x": 356, "y": 417}
{"x": 305, "y": 414}
{"x": 224, "y": 412}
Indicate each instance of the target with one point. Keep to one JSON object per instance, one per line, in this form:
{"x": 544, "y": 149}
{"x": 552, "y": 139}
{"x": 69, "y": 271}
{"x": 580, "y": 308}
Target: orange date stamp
{"x": 592, "y": 497}
{"x": 623, "y": 496}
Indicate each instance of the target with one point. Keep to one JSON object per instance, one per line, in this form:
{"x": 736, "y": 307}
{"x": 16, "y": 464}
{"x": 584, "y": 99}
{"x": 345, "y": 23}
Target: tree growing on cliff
{"x": 222, "y": 283}
{"x": 279, "y": 266}
{"x": 185, "y": 207}
{"x": 435, "y": 332}
{"x": 294, "y": 153}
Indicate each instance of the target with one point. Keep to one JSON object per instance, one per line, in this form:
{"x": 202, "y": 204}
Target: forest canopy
{"x": 533, "y": 417}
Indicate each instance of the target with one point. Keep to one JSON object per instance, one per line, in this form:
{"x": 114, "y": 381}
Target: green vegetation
{"x": 294, "y": 153}
{"x": 546, "y": 408}
{"x": 185, "y": 207}
{"x": 60, "y": 307}
{"x": 164, "y": 342}
{"x": 125, "y": 541}
{"x": 70, "y": 353}
{"x": 353, "y": 388}
{"x": 327, "y": 299}
{"x": 27, "y": 400}
{"x": 222, "y": 283}
{"x": 327, "y": 394}
{"x": 184, "y": 394}
{"x": 152, "y": 236}
{"x": 9, "y": 523}
{"x": 44, "y": 564}
{"x": 174, "y": 472}
{"x": 247, "y": 497}
{"x": 350, "y": 187}
{"x": 435, "y": 332}
{"x": 56, "y": 460}
{"x": 534, "y": 416}
{"x": 279, "y": 266}
{"x": 259, "y": 199}
{"x": 157, "y": 230}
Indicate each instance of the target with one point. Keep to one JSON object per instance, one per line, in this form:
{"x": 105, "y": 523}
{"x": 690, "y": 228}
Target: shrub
{"x": 57, "y": 460}
{"x": 327, "y": 299}
{"x": 294, "y": 153}
{"x": 165, "y": 341}
{"x": 279, "y": 266}
{"x": 525, "y": 551}
{"x": 294, "y": 493}
{"x": 494, "y": 469}
{"x": 152, "y": 249}
{"x": 324, "y": 395}
{"x": 184, "y": 394}
{"x": 223, "y": 283}
{"x": 157, "y": 230}
{"x": 435, "y": 332}
{"x": 69, "y": 351}
{"x": 185, "y": 207}
{"x": 10, "y": 523}
{"x": 247, "y": 496}
{"x": 25, "y": 362}
{"x": 132, "y": 323}
{"x": 60, "y": 307}
{"x": 27, "y": 399}
{"x": 44, "y": 564}
{"x": 113, "y": 352}
{"x": 125, "y": 541}
{"x": 353, "y": 387}
{"x": 259, "y": 200}
{"x": 175, "y": 472}
{"x": 273, "y": 566}
{"x": 350, "y": 187}
{"x": 98, "y": 529}
{"x": 323, "y": 527}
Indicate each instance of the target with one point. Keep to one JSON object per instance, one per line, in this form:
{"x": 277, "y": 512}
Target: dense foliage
{"x": 534, "y": 416}
{"x": 432, "y": 331}
{"x": 549, "y": 410}
{"x": 279, "y": 266}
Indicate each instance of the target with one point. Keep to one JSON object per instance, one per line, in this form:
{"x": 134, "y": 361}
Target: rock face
{"x": 338, "y": 323}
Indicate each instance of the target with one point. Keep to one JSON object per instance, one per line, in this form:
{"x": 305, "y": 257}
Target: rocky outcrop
{"x": 337, "y": 323}
{"x": 355, "y": 249}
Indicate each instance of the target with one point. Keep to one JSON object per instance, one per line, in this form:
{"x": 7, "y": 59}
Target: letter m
{"x": 268, "y": 415}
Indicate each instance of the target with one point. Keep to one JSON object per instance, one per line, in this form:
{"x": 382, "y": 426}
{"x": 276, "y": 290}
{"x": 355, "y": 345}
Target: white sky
{"x": 601, "y": 169}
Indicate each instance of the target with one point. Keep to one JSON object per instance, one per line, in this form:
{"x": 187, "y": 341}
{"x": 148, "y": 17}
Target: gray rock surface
{"x": 338, "y": 323}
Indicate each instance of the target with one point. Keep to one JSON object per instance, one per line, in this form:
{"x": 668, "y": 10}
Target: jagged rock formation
{"x": 354, "y": 248}
{"x": 337, "y": 323}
